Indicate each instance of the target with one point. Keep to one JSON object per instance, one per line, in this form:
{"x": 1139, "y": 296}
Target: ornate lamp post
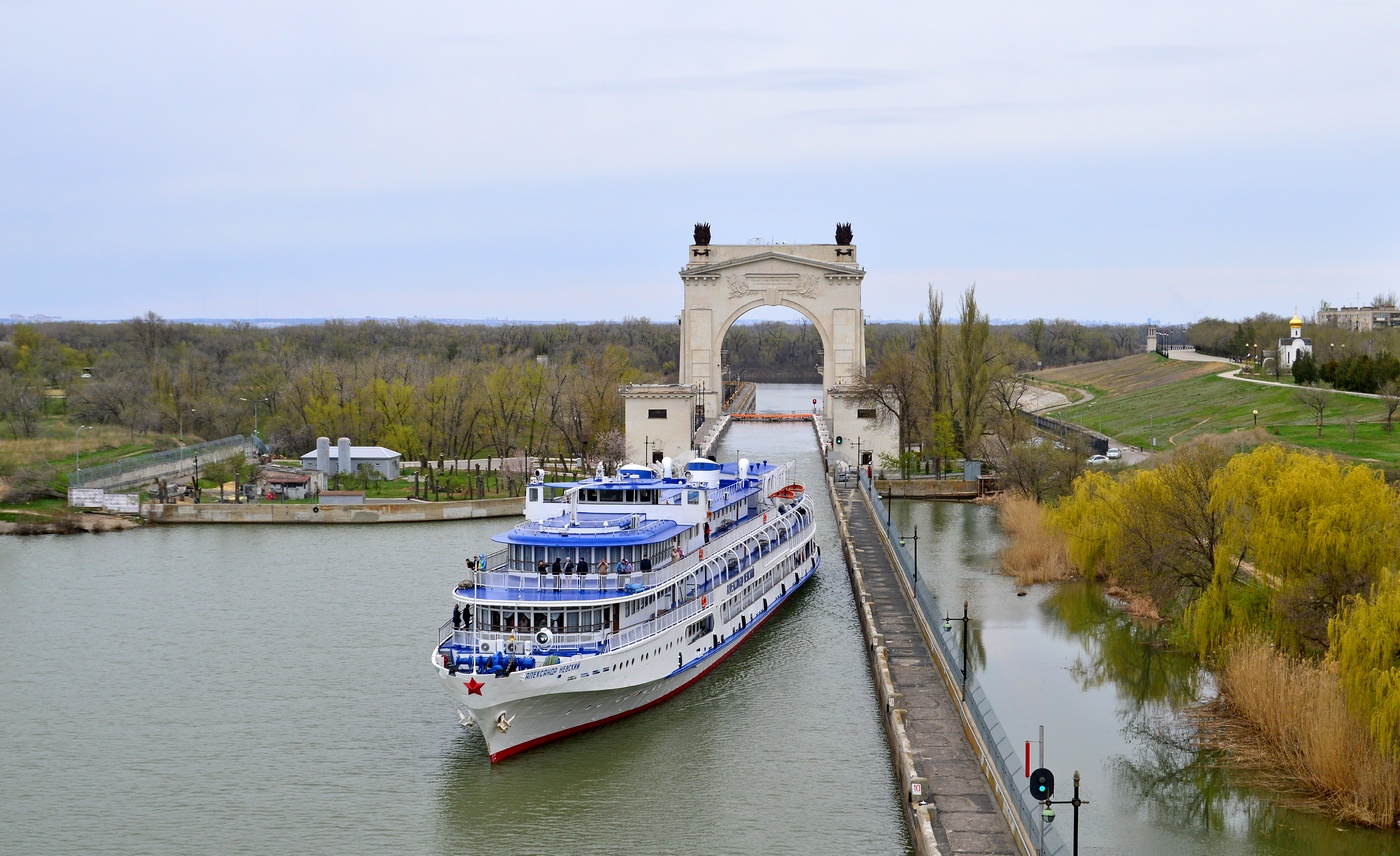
{"x": 947, "y": 628}
{"x": 915, "y": 539}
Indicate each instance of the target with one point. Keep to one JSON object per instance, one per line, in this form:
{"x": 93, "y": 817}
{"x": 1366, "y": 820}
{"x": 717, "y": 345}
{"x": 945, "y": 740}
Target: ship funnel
{"x": 704, "y": 472}
{"x": 667, "y": 468}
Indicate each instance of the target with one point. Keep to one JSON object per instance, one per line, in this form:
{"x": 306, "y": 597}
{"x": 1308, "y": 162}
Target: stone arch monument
{"x": 723, "y": 282}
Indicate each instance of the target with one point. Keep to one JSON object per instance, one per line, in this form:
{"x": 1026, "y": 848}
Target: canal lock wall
{"x": 967, "y": 798}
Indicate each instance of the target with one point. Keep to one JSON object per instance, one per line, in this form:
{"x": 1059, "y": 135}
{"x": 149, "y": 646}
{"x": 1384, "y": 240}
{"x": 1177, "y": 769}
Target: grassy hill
{"x": 1145, "y": 396}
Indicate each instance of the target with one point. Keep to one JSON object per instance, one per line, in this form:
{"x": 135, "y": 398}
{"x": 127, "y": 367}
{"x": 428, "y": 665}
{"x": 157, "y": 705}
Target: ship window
{"x": 534, "y": 494}
{"x": 610, "y": 495}
{"x": 692, "y": 497}
{"x": 590, "y": 495}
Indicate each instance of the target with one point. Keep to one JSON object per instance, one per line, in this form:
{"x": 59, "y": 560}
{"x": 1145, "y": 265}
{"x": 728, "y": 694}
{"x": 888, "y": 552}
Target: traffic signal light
{"x": 1042, "y": 784}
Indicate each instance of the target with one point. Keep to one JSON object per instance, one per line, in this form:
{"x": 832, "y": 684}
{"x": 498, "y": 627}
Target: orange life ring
{"x": 702, "y": 552}
{"x": 704, "y": 601}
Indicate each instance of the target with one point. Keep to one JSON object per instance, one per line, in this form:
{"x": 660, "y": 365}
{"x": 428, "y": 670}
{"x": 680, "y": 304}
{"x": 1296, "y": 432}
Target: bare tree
{"x": 893, "y": 388}
{"x": 1316, "y": 399}
{"x": 1390, "y": 397}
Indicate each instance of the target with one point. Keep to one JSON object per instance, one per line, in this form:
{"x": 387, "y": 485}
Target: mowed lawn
{"x": 1174, "y": 410}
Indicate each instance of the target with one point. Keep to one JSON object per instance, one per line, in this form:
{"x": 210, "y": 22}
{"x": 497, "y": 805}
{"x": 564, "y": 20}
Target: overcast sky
{"x": 1094, "y": 160}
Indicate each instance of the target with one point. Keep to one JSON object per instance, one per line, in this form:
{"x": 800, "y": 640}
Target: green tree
{"x": 971, "y": 372}
{"x": 1363, "y": 644}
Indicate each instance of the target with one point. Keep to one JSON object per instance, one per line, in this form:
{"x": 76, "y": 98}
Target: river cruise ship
{"x": 616, "y": 593}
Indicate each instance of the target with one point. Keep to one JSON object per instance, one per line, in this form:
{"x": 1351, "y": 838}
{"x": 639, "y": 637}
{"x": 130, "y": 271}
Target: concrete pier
{"x": 959, "y": 810}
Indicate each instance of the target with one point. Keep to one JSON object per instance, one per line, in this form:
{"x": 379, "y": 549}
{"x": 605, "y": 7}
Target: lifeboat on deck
{"x": 791, "y": 492}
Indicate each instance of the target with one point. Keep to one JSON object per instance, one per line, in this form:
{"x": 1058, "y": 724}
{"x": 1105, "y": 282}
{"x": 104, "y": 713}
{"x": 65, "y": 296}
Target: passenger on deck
{"x": 645, "y": 564}
{"x": 542, "y": 568}
{"x": 583, "y": 567}
{"x": 558, "y": 566}
{"x": 456, "y": 616}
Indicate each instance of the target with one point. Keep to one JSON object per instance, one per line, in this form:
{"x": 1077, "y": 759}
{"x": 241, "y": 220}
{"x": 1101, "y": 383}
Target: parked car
{"x": 1098, "y": 459}
{"x": 1114, "y": 454}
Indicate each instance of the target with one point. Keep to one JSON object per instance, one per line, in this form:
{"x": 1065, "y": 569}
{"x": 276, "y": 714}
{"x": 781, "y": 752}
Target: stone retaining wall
{"x": 920, "y": 821}
{"x": 276, "y": 512}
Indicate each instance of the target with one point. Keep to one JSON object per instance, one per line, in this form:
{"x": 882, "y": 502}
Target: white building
{"x": 384, "y": 461}
{"x": 1294, "y": 346}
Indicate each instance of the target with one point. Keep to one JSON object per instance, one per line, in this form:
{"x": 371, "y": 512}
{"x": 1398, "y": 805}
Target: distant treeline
{"x": 422, "y": 387}
{"x": 1251, "y": 337}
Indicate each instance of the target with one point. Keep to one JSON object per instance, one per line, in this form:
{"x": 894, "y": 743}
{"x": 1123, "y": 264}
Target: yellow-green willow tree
{"x": 1317, "y": 532}
{"x": 1365, "y": 639}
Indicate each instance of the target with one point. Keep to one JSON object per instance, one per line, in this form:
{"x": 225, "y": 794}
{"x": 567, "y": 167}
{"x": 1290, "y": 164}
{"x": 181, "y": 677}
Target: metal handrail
{"x": 1005, "y": 756}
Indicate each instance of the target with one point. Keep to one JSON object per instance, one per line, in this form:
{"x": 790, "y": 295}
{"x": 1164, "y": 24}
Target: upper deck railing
{"x": 505, "y": 575}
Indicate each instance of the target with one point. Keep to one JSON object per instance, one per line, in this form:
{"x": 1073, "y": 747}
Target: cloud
{"x": 813, "y": 80}
{"x": 1167, "y": 56}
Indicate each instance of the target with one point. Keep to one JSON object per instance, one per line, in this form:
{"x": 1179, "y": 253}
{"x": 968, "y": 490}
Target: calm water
{"x": 265, "y": 690}
{"x": 1109, "y": 699}
{"x": 268, "y": 690}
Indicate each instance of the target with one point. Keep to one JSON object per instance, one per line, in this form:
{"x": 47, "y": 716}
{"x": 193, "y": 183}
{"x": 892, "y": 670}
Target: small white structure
{"x": 1294, "y": 346}
{"x": 660, "y": 420}
{"x": 386, "y": 462}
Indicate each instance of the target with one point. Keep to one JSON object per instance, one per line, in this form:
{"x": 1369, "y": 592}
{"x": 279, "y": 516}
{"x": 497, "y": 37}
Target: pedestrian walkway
{"x": 966, "y": 816}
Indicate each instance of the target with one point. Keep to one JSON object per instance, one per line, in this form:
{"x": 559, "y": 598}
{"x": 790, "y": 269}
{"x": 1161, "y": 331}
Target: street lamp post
{"x": 947, "y": 628}
{"x": 180, "y": 418}
{"x": 77, "y": 460}
{"x": 915, "y": 539}
{"x": 255, "y": 412}
{"x": 1256, "y": 418}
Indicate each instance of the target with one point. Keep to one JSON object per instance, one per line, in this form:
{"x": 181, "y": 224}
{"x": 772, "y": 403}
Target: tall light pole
{"x": 255, "y": 412}
{"x": 915, "y": 539}
{"x": 77, "y": 460}
{"x": 180, "y": 418}
{"x": 947, "y": 627}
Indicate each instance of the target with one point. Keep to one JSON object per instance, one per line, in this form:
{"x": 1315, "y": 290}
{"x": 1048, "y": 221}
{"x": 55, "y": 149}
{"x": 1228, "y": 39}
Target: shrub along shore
{"x": 1272, "y": 566}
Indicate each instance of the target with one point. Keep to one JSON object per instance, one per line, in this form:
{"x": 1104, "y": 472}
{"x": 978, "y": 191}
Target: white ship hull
{"x": 529, "y": 708}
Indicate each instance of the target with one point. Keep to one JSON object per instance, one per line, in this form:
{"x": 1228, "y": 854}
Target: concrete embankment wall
{"x": 902, "y": 752}
{"x": 274, "y": 512}
{"x": 928, "y": 488}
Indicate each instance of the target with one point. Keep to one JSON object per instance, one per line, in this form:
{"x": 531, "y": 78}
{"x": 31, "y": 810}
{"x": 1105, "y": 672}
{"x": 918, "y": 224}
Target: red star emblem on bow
{"x": 473, "y": 686}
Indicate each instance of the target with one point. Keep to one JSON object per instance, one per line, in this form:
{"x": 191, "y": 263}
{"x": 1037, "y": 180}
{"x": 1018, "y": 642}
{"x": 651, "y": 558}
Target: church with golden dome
{"x": 1294, "y": 346}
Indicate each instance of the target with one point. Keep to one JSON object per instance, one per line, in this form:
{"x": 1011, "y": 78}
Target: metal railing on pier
{"x": 114, "y": 473}
{"x": 1006, "y": 755}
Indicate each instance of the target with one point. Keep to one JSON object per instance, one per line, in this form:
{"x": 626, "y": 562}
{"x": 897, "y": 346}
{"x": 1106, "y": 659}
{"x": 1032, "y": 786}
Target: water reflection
{"x": 1177, "y": 782}
{"x": 1126, "y": 652}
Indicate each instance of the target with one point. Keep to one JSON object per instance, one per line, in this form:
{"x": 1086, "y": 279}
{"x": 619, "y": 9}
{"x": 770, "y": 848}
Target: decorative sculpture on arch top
{"x": 723, "y": 282}
{"x": 702, "y": 240}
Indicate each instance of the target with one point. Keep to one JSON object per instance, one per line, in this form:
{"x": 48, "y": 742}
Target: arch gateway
{"x": 724, "y": 282}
